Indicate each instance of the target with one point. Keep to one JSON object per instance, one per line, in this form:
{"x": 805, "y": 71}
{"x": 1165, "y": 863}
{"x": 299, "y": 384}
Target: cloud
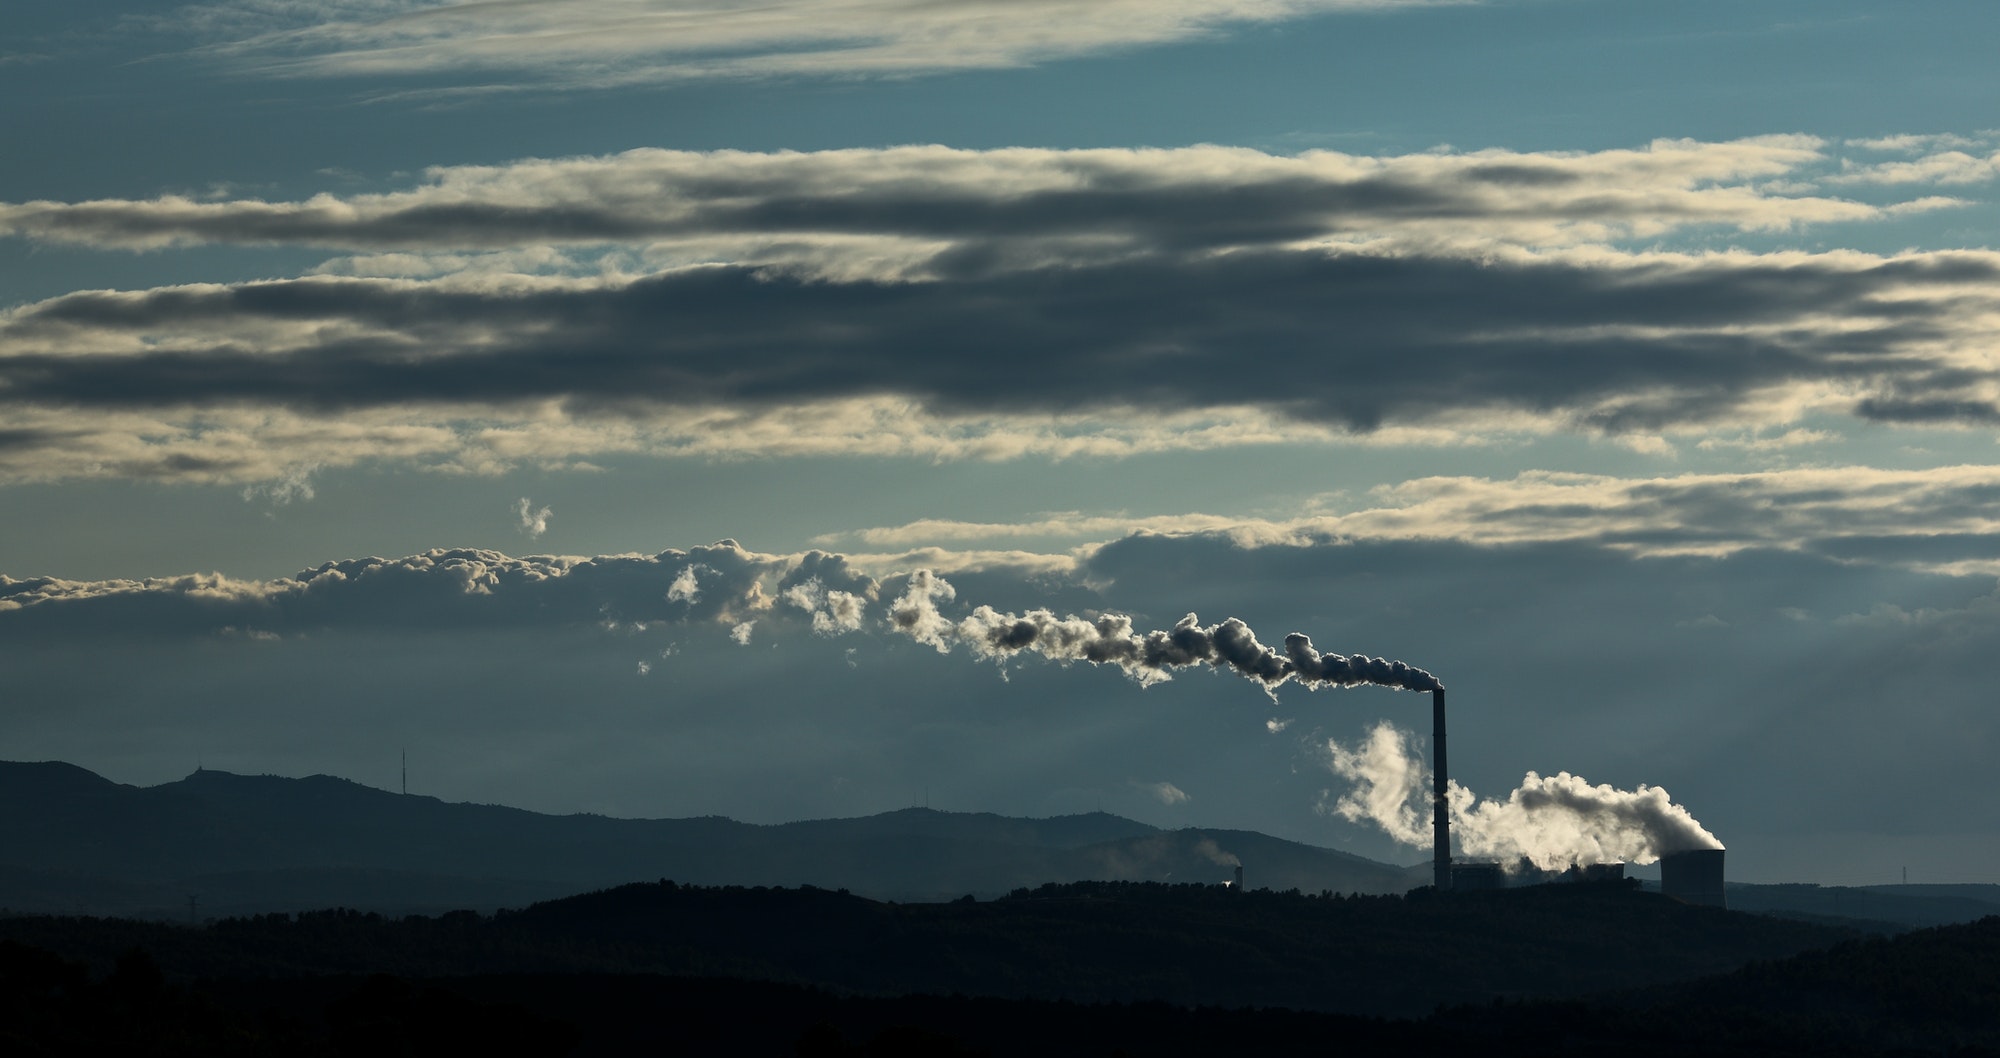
{"x": 1941, "y": 168}
{"x": 1941, "y": 519}
{"x": 294, "y": 484}
{"x": 935, "y": 210}
{"x": 534, "y": 521}
{"x": 1164, "y": 792}
{"x": 951, "y": 304}
{"x": 453, "y": 588}
{"x": 1181, "y": 352}
{"x": 686, "y": 586}
{"x": 589, "y": 43}
{"x": 1912, "y": 143}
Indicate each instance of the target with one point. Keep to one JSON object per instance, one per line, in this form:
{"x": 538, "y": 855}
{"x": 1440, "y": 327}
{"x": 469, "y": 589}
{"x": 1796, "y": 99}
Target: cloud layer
{"x": 584, "y": 43}
{"x": 1020, "y": 205}
{"x": 965, "y": 304}
{"x": 1939, "y": 519}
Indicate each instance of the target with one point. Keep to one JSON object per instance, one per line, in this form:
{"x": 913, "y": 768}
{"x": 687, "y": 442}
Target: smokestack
{"x": 1440, "y": 810}
{"x": 1239, "y": 877}
{"x": 1693, "y": 875}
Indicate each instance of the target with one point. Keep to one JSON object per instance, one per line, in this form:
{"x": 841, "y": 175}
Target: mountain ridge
{"x": 245, "y": 844}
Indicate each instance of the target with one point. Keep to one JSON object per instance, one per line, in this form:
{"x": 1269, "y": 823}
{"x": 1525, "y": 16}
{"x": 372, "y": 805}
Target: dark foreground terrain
{"x": 1088, "y": 969}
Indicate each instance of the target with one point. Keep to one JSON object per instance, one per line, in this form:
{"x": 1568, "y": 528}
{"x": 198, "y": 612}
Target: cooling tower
{"x": 1694, "y": 876}
{"x": 1440, "y": 810}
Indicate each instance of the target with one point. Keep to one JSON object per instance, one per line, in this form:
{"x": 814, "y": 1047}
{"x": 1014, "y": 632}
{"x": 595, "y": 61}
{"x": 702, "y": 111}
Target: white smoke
{"x": 1149, "y": 658}
{"x": 1216, "y": 854}
{"x": 534, "y": 520}
{"x": 1389, "y": 783}
{"x": 1551, "y": 821}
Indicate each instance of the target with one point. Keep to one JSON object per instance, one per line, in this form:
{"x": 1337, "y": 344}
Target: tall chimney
{"x": 1440, "y": 811}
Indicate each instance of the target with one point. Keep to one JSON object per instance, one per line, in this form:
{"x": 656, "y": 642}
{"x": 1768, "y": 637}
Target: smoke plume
{"x": 1551, "y": 821}
{"x": 1149, "y": 658}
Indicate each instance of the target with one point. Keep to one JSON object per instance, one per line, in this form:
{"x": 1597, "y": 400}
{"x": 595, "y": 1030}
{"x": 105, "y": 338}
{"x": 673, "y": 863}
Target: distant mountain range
{"x": 73, "y": 842}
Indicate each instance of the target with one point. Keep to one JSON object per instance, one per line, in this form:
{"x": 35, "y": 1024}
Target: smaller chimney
{"x": 1239, "y": 877}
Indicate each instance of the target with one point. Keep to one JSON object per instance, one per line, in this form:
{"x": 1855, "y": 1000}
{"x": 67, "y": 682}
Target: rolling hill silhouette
{"x": 73, "y": 842}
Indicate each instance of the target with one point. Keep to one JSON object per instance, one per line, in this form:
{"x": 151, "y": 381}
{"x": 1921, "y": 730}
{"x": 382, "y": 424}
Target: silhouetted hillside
{"x": 1894, "y": 906}
{"x": 1096, "y": 942}
{"x": 72, "y": 842}
{"x": 1929, "y": 992}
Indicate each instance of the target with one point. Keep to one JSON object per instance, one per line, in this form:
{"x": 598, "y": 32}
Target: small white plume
{"x": 534, "y": 520}
{"x": 1216, "y": 854}
{"x": 741, "y": 633}
{"x": 1552, "y": 821}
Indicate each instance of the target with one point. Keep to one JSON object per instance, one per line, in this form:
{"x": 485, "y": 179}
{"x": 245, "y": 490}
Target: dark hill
{"x": 1926, "y": 993}
{"x": 1095, "y": 942}
{"x": 1895, "y": 907}
{"x": 72, "y": 842}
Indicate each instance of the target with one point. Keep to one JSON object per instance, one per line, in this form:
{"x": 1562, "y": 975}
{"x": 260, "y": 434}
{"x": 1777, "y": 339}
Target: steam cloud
{"x": 1149, "y": 658}
{"x": 1551, "y": 821}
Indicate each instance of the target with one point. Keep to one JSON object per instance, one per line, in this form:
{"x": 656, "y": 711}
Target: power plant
{"x": 1692, "y": 875}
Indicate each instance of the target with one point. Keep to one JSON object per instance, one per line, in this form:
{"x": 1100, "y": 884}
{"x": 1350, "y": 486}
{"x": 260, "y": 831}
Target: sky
{"x": 818, "y": 407}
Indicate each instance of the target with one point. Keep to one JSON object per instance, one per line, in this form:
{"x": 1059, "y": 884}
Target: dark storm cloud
{"x": 1355, "y": 341}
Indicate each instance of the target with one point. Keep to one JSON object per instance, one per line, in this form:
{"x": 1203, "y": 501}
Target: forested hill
{"x": 1096, "y": 942}
{"x": 73, "y": 842}
{"x": 664, "y": 968}
{"x": 1930, "y": 992}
